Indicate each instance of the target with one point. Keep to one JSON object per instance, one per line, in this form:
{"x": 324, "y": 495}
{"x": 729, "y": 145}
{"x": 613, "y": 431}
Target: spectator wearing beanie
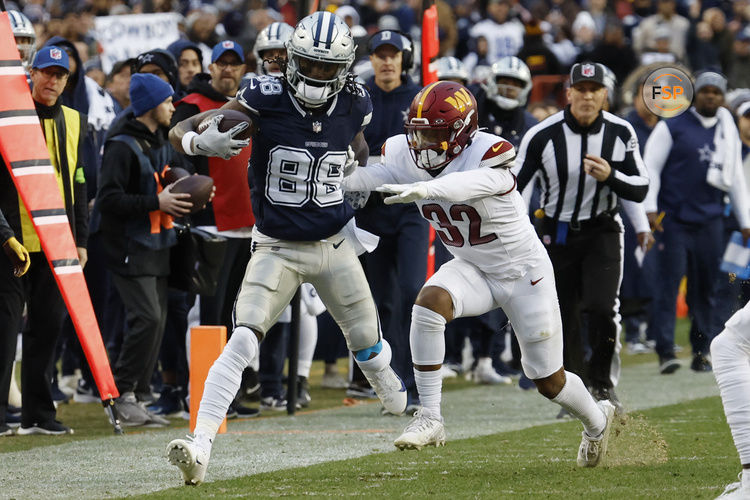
{"x": 137, "y": 233}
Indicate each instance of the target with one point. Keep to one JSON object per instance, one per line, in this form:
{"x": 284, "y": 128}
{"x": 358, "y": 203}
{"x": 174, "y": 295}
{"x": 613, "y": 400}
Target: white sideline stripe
{"x": 42, "y": 169}
{"x": 19, "y": 120}
{"x": 68, "y": 270}
{"x": 51, "y": 219}
{"x": 12, "y": 71}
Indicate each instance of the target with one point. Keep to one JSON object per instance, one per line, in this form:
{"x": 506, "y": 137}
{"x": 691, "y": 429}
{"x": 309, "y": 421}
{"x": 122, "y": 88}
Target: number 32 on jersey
{"x": 457, "y": 216}
{"x": 295, "y": 177}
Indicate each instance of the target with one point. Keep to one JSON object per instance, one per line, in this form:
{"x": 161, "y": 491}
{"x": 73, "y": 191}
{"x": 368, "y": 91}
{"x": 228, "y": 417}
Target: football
{"x": 172, "y": 175}
{"x": 199, "y": 187}
{"x": 231, "y": 118}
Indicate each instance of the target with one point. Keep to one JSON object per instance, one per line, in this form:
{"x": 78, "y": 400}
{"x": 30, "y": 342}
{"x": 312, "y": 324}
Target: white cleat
{"x": 190, "y": 457}
{"x": 424, "y": 430}
{"x": 390, "y": 389}
{"x": 736, "y": 491}
{"x": 484, "y": 373}
{"x": 593, "y": 449}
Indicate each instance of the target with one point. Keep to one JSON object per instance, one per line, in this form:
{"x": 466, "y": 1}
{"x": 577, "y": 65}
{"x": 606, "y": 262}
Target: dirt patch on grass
{"x": 634, "y": 441}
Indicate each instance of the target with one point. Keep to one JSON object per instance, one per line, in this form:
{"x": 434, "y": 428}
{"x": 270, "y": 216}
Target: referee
{"x": 585, "y": 158}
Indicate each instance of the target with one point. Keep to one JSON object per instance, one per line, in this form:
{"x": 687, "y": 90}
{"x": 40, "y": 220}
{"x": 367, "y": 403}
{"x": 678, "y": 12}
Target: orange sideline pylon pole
{"x": 206, "y": 343}
{"x": 24, "y": 150}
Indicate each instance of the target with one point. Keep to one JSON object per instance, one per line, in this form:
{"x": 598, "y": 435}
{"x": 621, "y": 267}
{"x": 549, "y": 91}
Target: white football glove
{"x": 351, "y": 163}
{"x": 357, "y": 199}
{"x": 211, "y": 142}
{"x": 404, "y": 193}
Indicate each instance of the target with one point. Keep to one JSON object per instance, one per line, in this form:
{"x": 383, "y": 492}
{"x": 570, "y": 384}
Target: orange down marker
{"x": 206, "y": 343}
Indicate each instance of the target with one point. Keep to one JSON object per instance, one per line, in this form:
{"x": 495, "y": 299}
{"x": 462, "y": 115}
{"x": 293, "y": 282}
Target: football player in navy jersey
{"x": 307, "y": 130}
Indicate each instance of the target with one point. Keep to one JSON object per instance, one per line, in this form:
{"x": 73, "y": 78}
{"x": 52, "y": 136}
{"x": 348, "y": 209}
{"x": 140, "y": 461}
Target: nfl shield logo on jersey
{"x": 588, "y": 70}
{"x": 317, "y": 127}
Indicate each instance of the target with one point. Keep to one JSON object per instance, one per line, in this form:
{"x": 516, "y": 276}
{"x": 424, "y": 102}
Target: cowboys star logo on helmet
{"x": 320, "y": 52}
{"x": 442, "y": 122}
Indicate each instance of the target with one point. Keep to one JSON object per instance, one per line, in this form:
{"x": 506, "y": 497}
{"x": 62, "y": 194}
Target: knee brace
{"x": 427, "y": 336}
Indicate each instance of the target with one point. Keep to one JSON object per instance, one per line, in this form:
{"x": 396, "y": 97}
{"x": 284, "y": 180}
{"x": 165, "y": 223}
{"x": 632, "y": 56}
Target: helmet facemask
{"x": 434, "y": 146}
{"x": 509, "y": 95}
{"x": 320, "y": 52}
{"x": 27, "y": 50}
{"x": 315, "y": 81}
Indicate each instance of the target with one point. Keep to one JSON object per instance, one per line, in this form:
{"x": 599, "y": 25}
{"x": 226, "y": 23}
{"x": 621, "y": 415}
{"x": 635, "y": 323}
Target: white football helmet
{"x": 321, "y": 43}
{"x": 273, "y": 36}
{"x": 25, "y": 35}
{"x": 450, "y": 68}
{"x": 508, "y": 67}
{"x": 610, "y": 81}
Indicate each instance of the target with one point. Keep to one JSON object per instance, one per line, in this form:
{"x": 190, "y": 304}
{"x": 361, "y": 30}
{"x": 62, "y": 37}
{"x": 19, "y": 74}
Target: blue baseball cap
{"x": 226, "y": 46}
{"x": 386, "y": 37}
{"x": 51, "y": 55}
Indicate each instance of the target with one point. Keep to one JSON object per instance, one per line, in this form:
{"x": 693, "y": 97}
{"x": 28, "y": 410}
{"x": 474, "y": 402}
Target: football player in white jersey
{"x": 460, "y": 179}
{"x": 730, "y": 355}
{"x": 306, "y": 128}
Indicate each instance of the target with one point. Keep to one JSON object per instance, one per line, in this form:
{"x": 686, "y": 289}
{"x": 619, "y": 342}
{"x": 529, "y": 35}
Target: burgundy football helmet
{"x": 442, "y": 121}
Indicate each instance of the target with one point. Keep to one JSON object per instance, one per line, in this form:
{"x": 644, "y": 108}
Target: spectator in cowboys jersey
{"x": 307, "y": 129}
{"x": 460, "y": 180}
{"x": 397, "y": 268}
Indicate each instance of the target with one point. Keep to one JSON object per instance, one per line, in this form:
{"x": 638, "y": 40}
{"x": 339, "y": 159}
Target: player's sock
{"x": 224, "y": 379}
{"x": 427, "y": 340}
{"x": 732, "y": 372}
{"x": 576, "y": 399}
{"x": 308, "y": 338}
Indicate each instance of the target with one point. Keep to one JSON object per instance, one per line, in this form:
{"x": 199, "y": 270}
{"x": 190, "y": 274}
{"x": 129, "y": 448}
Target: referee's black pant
{"x": 588, "y": 270}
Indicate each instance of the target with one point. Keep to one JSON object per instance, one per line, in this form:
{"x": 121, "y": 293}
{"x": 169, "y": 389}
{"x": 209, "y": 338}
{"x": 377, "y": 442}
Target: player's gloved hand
{"x": 404, "y": 193}
{"x": 357, "y": 199}
{"x": 212, "y": 142}
{"x": 18, "y": 256}
{"x": 351, "y": 163}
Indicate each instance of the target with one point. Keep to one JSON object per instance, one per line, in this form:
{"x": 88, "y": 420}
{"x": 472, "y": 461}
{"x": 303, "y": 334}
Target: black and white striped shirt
{"x": 554, "y": 150}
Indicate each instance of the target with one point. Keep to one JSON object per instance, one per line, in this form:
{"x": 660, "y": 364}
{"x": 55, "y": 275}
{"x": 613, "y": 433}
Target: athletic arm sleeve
{"x": 478, "y": 183}
{"x": 655, "y": 156}
{"x": 637, "y": 215}
{"x": 369, "y": 177}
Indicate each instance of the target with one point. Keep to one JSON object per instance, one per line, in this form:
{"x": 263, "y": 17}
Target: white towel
{"x": 727, "y": 158}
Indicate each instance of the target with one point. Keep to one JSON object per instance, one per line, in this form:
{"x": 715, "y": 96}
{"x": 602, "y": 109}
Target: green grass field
{"x": 502, "y": 443}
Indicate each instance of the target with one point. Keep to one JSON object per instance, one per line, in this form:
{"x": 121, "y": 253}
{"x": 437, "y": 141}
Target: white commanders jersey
{"x": 473, "y": 204}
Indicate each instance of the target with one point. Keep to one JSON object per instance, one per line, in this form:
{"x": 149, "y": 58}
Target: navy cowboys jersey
{"x": 298, "y": 158}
